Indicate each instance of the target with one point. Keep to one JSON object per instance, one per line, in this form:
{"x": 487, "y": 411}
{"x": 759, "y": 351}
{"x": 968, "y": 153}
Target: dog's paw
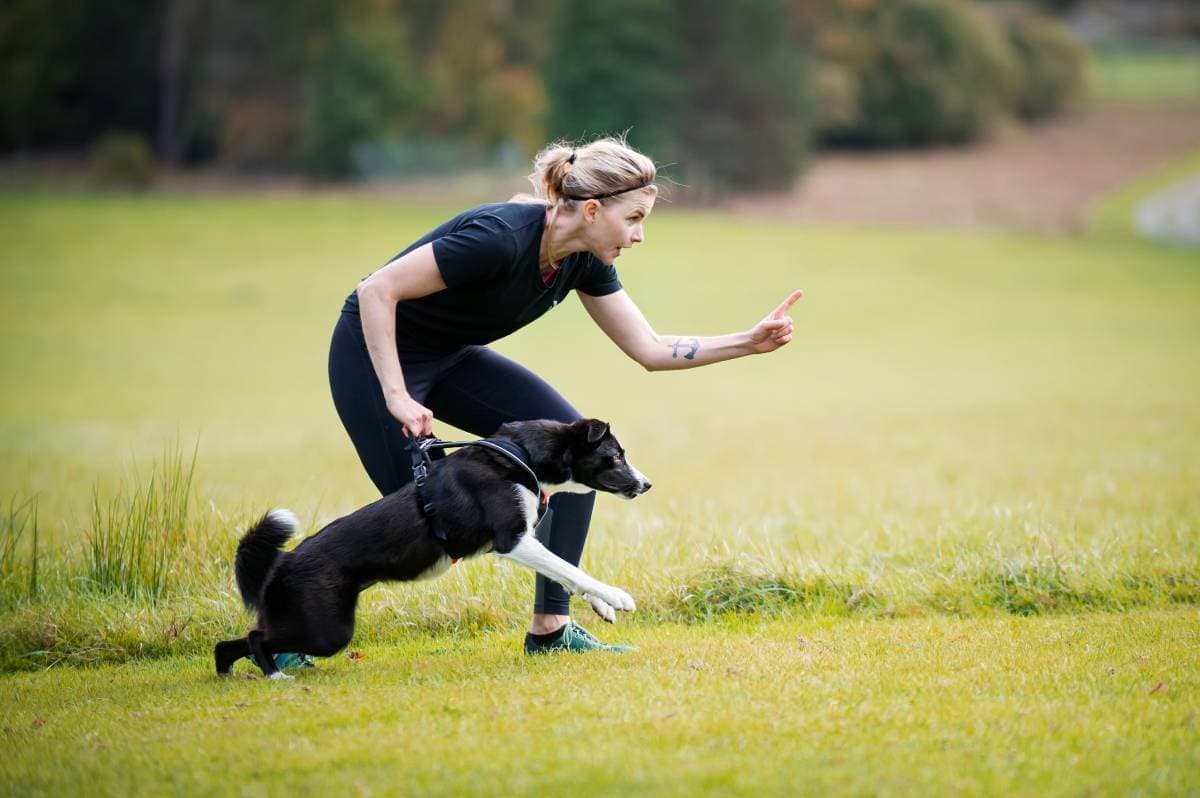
{"x": 280, "y": 675}
{"x": 602, "y": 608}
{"x": 618, "y": 598}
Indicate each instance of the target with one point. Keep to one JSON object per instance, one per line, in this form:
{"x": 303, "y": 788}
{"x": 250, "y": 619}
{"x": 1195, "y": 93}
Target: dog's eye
{"x": 617, "y": 459}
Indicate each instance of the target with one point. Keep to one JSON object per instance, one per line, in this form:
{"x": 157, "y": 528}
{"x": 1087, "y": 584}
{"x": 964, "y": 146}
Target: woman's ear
{"x": 591, "y": 209}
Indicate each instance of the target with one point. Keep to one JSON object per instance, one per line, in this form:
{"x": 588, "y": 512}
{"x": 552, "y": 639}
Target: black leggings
{"x": 472, "y": 388}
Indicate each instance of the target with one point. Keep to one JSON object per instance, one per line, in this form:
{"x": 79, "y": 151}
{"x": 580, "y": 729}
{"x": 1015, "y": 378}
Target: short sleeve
{"x": 480, "y": 250}
{"x": 599, "y": 279}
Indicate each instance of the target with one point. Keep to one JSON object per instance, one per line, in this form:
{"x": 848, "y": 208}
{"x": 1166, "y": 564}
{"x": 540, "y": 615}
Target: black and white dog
{"x": 306, "y": 598}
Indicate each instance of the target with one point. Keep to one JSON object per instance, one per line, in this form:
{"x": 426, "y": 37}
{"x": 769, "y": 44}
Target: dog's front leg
{"x": 530, "y": 552}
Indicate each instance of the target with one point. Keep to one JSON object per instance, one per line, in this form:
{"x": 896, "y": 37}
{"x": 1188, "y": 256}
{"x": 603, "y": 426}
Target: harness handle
{"x": 420, "y": 448}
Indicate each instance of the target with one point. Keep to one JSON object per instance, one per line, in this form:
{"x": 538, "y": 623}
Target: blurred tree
{"x": 359, "y": 90}
{"x": 72, "y": 69}
{"x": 479, "y": 89}
{"x": 252, "y": 65}
{"x": 719, "y": 87}
{"x": 1058, "y": 6}
{"x": 918, "y": 71}
{"x": 390, "y": 84}
{"x": 744, "y": 124}
{"x": 289, "y": 84}
{"x": 174, "y": 52}
{"x": 1051, "y": 6}
{"x": 618, "y": 66}
{"x": 1053, "y": 64}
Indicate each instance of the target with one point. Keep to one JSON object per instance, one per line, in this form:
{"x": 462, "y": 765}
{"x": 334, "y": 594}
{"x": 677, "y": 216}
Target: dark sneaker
{"x": 571, "y": 637}
{"x": 288, "y": 662}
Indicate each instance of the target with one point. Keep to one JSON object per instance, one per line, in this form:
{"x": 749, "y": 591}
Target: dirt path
{"x": 1029, "y": 178}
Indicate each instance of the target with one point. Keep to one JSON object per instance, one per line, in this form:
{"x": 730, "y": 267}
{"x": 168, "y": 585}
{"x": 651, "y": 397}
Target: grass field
{"x": 1096, "y": 704}
{"x": 1145, "y": 74}
{"x": 946, "y": 540}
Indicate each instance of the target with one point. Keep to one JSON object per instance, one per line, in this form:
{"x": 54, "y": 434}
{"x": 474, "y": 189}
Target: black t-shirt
{"x": 488, "y": 257}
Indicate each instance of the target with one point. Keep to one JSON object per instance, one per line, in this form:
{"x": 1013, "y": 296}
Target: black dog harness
{"x": 421, "y": 464}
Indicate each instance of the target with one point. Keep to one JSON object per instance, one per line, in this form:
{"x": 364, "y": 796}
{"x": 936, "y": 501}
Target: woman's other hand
{"x": 776, "y": 329}
{"x": 416, "y": 418}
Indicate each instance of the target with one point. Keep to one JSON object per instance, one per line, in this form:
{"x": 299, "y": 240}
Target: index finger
{"x": 787, "y": 303}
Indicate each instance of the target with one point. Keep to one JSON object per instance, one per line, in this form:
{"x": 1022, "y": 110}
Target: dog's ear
{"x": 594, "y": 431}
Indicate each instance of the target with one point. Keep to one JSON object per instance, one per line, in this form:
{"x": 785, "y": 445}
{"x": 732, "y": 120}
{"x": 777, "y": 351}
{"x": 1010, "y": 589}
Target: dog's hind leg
{"x": 263, "y": 654}
{"x": 228, "y": 652}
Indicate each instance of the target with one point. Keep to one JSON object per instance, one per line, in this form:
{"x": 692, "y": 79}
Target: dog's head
{"x": 598, "y": 461}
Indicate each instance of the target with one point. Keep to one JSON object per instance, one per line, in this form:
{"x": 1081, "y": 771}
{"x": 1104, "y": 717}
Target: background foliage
{"x": 1051, "y": 65}
{"x": 733, "y": 94}
{"x": 916, "y": 71}
{"x": 615, "y": 67}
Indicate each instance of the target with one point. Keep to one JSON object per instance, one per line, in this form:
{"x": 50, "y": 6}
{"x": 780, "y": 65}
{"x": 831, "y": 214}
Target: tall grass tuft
{"x": 16, "y": 579}
{"x": 136, "y": 536}
{"x": 748, "y": 586}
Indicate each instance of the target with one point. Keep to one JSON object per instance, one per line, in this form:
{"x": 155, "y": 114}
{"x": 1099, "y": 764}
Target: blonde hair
{"x": 564, "y": 173}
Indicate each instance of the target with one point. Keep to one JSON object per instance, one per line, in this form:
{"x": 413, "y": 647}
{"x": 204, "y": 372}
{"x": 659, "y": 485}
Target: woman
{"x": 410, "y": 343}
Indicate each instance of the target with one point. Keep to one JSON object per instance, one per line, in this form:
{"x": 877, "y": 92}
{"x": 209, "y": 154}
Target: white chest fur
{"x": 439, "y": 567}
{"x": 527, "y": 505}
{"x": 566, "y": 487}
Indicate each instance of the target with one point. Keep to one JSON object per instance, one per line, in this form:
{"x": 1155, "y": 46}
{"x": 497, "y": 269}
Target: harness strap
{"x": 420, "y": 467}
{"x": 421, "y": 464}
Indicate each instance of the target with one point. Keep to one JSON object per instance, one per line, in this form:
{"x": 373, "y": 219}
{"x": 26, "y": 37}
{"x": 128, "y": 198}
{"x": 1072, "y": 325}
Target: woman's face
{"x": 617, "y": 224}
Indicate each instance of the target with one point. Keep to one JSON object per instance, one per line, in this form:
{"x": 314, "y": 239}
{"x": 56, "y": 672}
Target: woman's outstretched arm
{"x": 624, "y": 323}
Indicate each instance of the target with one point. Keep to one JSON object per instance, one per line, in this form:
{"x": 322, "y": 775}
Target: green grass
{"x": 135, "y": 540}
{"x": 1099, "y": 704}
{"x": 987, "y": 436}
{"x": 19, "y": 549}
{"x": 1143, "y": 74}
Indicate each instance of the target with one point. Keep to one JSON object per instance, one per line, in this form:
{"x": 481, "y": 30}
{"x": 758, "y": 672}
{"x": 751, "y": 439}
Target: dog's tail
{"x": 258, "y": 550}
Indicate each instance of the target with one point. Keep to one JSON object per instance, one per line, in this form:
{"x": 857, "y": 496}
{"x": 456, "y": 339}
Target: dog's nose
{"x": 646, "y": 486}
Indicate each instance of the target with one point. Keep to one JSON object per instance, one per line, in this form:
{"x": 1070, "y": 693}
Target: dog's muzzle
{"x": 640, "y": 486}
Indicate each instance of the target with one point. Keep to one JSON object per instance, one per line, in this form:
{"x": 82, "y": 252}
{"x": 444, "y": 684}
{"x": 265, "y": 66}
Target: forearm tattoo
{"x": 691, "y": 345}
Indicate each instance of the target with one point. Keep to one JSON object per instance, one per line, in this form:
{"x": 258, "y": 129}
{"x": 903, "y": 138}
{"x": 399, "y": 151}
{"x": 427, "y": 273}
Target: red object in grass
{"x": 354, "y": 656}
